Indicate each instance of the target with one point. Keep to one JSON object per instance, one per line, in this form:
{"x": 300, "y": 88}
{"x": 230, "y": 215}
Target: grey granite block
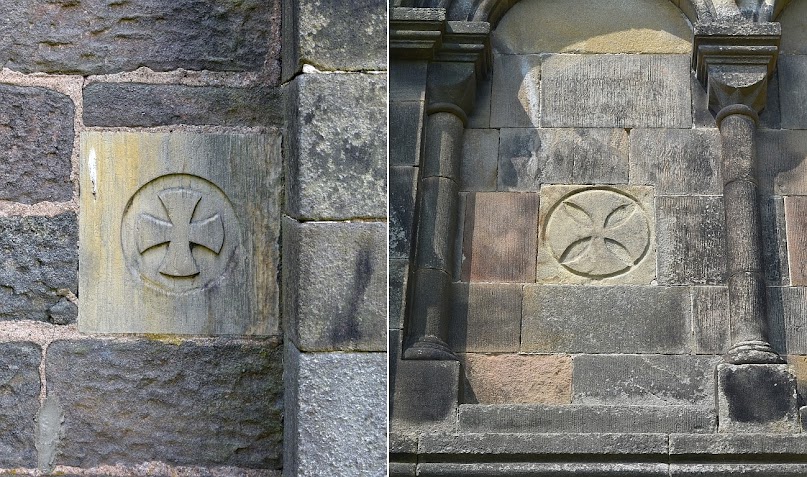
{"x": 626, "y": 91}
{"x": 529, "y": 158}
{"x": 36, "y": 137}
{"x": 589, "y": 319}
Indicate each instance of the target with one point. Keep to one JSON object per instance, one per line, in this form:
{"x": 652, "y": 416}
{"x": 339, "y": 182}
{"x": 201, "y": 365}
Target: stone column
{"x": 756, "y": 393}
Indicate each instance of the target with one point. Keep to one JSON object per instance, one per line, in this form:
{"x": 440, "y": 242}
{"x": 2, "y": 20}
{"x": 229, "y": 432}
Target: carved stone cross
{"x": 179, "y": 232}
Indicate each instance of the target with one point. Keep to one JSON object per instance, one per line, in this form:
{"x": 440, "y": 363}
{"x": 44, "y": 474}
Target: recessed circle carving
{"x": 179, "y": 233}
{"x": 598, "y": 233}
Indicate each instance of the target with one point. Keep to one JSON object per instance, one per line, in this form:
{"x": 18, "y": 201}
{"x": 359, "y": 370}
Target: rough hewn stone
{"x": 796, "y": 220}
{"x": 334, "y": 35}
{"x": 334, "y": 285}
{"x": 403, "y": 188}
{"x": 781, "y": 162}
{"x": 486, "y": 317}
{"x": 20, "y": 383}
{"x": 405, "y": 132}
{"x": 107, "y": 36}
{"x": 516, "y": 95}
{"x": 710, "y": 319}
{"x": 40, "y": 263}
{"x": 625, "y": 91}
{"x": 147, "y": 105}
{"x": 36, "y": 137}
{"x": 517, "y": 379}
{"x": 757, "y": 398}
{"x": 184, "y": 404}
{"x": 597, "y": 235}
{"x": 691, "y": 240}
{"x": 337, "y": 153}
{"x": 644, "y": 379}
{"x": 792, "y": 71}
{"x": 479, "y": 165}
{"x": 575, "y": 319}
{"x": 572, "y": 418}
{"x": 499, "y": 237}
{"x": 63, "y": 312}
{"x": 676, "y": 161}
{"x": 529, "y": 158}
{"x": 333, "y": 425}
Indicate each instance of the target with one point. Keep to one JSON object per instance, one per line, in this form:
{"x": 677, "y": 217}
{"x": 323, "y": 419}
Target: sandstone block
{"x": 106, "y": 36}
{"x": 529, "y": 158}
{"x": 691, "y": 240}
{"x": 516, "y": 94}
{"x": 757, "y": 398}
{"x": 480, "y": 117}
{"x": 798, "y": 366}
{"x": 405, "y": 132}
{"x": 40, "y": 264}
{"x": 710, "y": 319}
{"x": 794, "y": 29}
{"x": 644, "y": 379}
{"x": 36, "y": 136}
{"x": 403, "y": 189}
{"x": 407, "y": 80}
{"x": 486, "y": 317}
{"x": 479, "y": 166}
{"x": 197, "y": 217}
{"x": 148, "y": 105}
{"x": 334, "y": 35}
{"x": 792, "y": 92}
{"x": 787, "y": 317}
{"x": 624, "y": 91}
{"x": 626, "y": 319}
{"x": 596, "y": 235}
{"x": 677, "y": 161}
{"x": 781, "y": 162}
{"x": 128, "y": 402}
{"x": 517, "y": 379}
{"x": 337, "y": 158}
{"x": 425, "y": 395}
{"x": 774, "y": 240}
{"x": 398, "y": 281}
{"x": 19, "y": 378}
{"x": 796, "y": 220}
{"x": 335, "y": 285}
{"x": 333, "y": 425}
{"x": 436, "y": 223}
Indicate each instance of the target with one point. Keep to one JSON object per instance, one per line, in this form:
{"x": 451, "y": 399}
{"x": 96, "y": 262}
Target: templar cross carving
{"x": 598, "y": 233}
{"x": 180, "y": 232}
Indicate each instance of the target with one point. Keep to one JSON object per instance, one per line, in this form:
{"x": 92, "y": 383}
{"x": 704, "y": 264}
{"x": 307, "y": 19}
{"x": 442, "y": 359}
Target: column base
{"x": 752, "y": 352}
{"x": 430, "y": 348}
{"x": 425, "y": 396}
{"x": 757, "y": 398}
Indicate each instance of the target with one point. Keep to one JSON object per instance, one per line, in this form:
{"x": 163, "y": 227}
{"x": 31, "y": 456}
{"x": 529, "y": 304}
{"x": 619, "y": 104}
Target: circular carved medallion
{"x": 598, "y": 233}
{"x": 179, "y": 233}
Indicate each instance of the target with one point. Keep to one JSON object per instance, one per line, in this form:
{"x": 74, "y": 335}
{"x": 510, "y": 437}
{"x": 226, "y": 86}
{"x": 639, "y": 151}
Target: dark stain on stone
{"x": 756, "y": 396}
{"x": 346, "y": 327}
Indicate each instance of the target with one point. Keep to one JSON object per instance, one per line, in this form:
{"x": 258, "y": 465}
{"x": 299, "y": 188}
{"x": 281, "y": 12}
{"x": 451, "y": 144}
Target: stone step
{"x": 532, "y": 418}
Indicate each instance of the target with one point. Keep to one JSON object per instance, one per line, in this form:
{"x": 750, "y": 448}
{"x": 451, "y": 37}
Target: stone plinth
{"x": 755, "y": 398}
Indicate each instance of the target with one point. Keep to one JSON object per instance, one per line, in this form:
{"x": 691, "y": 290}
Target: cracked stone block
{"x": 197, "y": 220}
{"x": 599, "y": 235}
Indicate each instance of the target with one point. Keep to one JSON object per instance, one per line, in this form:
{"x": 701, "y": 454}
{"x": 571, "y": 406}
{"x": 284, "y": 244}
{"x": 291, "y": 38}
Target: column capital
{"x": 734, "y": 60}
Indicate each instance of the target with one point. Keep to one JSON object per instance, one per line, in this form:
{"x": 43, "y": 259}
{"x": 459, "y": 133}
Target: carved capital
{"x": 734, "y": 60}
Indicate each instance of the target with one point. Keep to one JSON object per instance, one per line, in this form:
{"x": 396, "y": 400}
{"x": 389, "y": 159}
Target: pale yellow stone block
{"x": 519, "y": 378}
{"x": 178, "y": 233}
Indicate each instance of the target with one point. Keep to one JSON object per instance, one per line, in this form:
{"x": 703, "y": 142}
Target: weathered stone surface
{"x": 499, "y": 237}
{"x": 334, "y": 35}
{"x": 36, "y": 136}
{"x": 107, "y": 36}
{"x": 189, "y": 404}
{"x": 598, "y": 235}
{"x": 605, "y": 26}
{"x": 149, "y": 105}
{"x": 542, "y": 469}
{"x": 710, "y": 319}
{"x": 516, "y": 94}
{"x": 644, "y": 379}
{"x": 529, "y": 158}
{"x": 774, "y": 240}
{"x": 625, "y": 91}
{"x": 398, "y": 281}
{"x": 691, "y": 240}
{"x": 437, "y": 220}
{"x": 574, "y": 319}
{"x": 480, "y": 117}
{"x": 787, "y": 318}
{"x": 796, "y": 220}
{"x": 782, "y": 162}
{"x": 402, "y": 469}
{"x": 724, "y": 446}
{"x": 335, "y": 171}
{"x": 63, "y": 312}
{"x": 40, "y": 263}
{"x": 798, "y": 366}
{"x": 334, "y": 278}
{"x": 462, "y": 204}
{"x": 333, "y": 425}
{"x": 405, "y": 132}
{"x": 425, "y": 395}
{"x": 19, "y": 380}
{"x": 197, "y": 217}
{"x": 407, "y": 80}
{"x": 721, "y": 470}
{"x": 677, "y": 161}
{"x": 480, "y": 148}
{"x": 572, "y": 418}
{"x": 517, "y": 379}
{"x": 703, "y": 117}
{"x": 486, "y": 317}
{"x": 792, "y": 71}
{"x": 403, "y": 188}
{"x": 757, "y": 398}
{"x": 794, "y": 29}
